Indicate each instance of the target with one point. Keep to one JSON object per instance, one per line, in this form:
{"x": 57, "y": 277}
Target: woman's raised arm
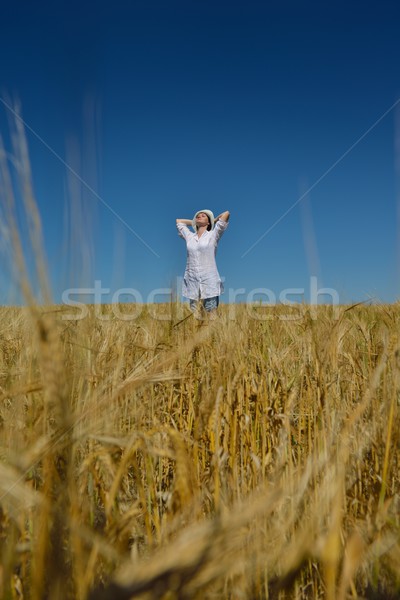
{"x": 184, "y": 221}
{"x": 223, "y": 216}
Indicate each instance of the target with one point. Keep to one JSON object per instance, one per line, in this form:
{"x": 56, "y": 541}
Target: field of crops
{"x": 253, "y": 456}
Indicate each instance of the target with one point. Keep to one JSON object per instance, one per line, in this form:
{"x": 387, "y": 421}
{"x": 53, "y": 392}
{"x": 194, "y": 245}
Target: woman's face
{"x": 202, "y": 220}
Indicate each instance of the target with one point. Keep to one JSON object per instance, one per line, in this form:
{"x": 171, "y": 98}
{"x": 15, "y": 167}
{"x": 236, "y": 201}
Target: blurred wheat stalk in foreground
{"x": 246, "y": 458}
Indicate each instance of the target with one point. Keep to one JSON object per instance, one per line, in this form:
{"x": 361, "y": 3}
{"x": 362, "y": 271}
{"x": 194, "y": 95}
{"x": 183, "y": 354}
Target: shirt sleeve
{"x": 220, "y": 227}
{"x": 183, "y": 230}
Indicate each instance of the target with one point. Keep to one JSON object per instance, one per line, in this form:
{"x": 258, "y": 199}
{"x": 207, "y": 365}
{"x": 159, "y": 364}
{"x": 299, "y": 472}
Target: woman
{"x": 201, "y": 282}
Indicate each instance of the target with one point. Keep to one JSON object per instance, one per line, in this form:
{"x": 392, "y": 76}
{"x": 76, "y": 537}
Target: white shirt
{"x": 201, "y": 278}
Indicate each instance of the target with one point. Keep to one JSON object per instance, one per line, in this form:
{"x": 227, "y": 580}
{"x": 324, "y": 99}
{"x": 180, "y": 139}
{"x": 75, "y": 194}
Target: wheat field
{"x": 252, "y": 456}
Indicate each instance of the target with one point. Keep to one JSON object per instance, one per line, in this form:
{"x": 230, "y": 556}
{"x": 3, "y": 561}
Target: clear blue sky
{"x": 164, "y": 108}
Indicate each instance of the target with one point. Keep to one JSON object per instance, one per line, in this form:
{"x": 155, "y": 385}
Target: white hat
{"x": 210, "y": 215}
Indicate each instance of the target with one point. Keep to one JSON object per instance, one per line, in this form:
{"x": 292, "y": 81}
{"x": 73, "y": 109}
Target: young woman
{"x": 201, "y": 282}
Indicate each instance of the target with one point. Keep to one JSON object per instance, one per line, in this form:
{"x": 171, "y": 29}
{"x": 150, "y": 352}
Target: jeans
{"x": 209, "y": 304}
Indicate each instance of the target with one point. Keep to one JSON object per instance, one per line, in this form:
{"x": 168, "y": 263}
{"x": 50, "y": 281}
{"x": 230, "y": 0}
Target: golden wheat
{"x": 246, "y": 459}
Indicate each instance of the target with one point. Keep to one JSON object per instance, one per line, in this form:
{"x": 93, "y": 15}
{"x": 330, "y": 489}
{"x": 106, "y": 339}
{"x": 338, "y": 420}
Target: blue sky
{"x": 164, "y": 108}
